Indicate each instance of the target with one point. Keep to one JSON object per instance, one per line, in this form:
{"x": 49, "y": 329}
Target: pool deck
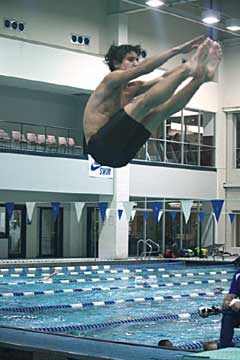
{"x": 92, "y": 261}
{"x": 69, "y": 347}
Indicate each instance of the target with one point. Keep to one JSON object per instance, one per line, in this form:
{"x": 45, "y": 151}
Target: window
{"x": 187, "y": 137}
{"x": 207, "y": 139}
{"x": 191, "y": 137}
{"x": 173, "y": 227}
{"x": 139, "y": 228}
{"x": 172, "y": 231}
{"x": 174, "y": 139}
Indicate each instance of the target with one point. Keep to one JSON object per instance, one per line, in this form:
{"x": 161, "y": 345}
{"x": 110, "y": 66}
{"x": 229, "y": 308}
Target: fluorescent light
{"x": 210, "y": 20}
{"x": 210, "y": 17}
{"x": 233, "y": 24}
{"x": 154, "y": 3}
{"x": 233, "y": 28}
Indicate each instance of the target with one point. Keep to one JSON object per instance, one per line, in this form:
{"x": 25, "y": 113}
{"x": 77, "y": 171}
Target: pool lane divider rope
{"x": 198, "y": 345}
{"x": 123, "y": 278}
{"x": 89, "y": 272}
{"x": 105, "y": 271}
{"x": 82, "y": 327}
{"x": 100, "y": 279}
{"x": 111, "y": 288}
{"x": 54, "y": 268}
{"x": 81, "y": 267}
{"x": 37, "y": 308}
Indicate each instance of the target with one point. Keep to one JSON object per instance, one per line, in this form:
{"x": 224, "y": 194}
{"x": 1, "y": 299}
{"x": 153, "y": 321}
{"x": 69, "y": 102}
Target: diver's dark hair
{"x": 116, "y": 54}
{"x": 165, "y": 342}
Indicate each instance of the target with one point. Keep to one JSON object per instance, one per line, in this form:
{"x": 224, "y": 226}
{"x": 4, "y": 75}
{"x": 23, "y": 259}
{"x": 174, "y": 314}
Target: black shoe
{"x": 204, "y": 312}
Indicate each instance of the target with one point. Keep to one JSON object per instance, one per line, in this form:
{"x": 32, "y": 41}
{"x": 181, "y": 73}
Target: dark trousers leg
{"x": 229, "y": 320}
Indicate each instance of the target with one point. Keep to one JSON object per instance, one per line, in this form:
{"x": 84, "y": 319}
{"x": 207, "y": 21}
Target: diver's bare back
{"x": 104, "y": 102}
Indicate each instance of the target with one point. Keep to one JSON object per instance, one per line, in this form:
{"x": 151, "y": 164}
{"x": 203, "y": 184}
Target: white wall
{"x": 48, "y": 66}
{"x": 49, "y": 174}
{"x": 164, "y": 32}
{"x": 157, "y": 32}
{"x": 38, "y": 107}
{"x": 166, "y": 182}
{"x": 206, "y": 98}
{"x": 52, "y": 22}
{"x": 231, "y": 76}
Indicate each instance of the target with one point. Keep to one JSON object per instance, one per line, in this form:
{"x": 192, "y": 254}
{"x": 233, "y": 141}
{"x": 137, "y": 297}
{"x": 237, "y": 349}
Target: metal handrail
{"x": 147, "y": 244}
{"x": 138, "y": 244}
{"x": 146, "y": 253}
{"x": 37, "y": 125}
{"x": 155, "y": 244}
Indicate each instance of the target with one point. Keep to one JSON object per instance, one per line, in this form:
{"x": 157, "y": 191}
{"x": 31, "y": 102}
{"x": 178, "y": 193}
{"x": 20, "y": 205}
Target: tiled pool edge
{"x": 79, "y": 348}
{"x": 90, "y": 261}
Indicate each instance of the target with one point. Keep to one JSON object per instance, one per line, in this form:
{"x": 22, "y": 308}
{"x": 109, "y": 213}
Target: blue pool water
{"x": 110, "y": 285}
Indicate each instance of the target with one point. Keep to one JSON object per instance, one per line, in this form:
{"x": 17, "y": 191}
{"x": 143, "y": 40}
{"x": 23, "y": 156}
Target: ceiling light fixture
{"x": 233, "y": 24}
{"x": 154, "y": 3}
{"x": 210, "y": 16}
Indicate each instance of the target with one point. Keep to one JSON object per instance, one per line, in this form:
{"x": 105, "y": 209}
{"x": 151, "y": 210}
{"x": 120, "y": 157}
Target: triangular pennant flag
{"x": 156, "y": 206}
{"x": 55, "y": 209}
{"x": 79, "y": 207}
{"x": 186, "y": 207}
{"x": 217, "y": 207}
{"x": 133, "y": 213}
{"x": 201, "y": 216}
{"x": 232, "y": 216}
{"x": 160, "y": 215}
{"x": 120, "y": 212}
{"x": 146, "y": 214}
{"x": 173, "y": 215}
{"x": 128, "y": 207}
{"x": 103, "y": 207}
{"x": 107, "y": 214}
{"x": 10, "y": 207}
{"x": 30, "y": 207}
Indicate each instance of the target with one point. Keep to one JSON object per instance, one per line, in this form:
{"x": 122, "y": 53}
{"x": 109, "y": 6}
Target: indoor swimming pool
{"x": 128, "y": 303}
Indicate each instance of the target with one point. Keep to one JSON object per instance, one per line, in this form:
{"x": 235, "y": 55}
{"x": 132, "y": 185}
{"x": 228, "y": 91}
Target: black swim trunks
{"x": 117, "y": 142}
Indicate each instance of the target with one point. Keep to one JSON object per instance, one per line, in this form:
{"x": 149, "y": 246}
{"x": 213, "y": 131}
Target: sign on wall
{"x": 97, "y": 170}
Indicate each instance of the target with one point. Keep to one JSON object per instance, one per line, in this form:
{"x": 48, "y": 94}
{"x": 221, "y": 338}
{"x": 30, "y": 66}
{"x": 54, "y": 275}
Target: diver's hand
{"x": 227, "y": 300}
{"x": 235, "y": 304}
{"x": 190, "y": 45}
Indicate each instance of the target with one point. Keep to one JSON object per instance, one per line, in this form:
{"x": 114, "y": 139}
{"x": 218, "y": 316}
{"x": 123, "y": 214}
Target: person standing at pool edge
{"x": 121, "y": 114}
{"x": 231, "y": 312}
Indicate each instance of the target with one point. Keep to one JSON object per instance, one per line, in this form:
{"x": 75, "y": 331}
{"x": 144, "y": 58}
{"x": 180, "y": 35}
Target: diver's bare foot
{"x": 197, "y": 62}
{"x": 213, "y": 60}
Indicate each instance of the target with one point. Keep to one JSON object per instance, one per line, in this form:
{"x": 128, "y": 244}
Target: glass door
{"x": 17, "y": 232}
{"x": 51, "y": 233}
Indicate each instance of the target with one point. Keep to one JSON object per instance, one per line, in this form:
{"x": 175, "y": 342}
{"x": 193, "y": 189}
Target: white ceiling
{"x": 190, "y": 10}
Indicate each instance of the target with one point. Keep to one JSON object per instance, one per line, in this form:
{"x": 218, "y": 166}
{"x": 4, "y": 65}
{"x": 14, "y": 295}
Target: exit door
{"x": 92, "y": 232}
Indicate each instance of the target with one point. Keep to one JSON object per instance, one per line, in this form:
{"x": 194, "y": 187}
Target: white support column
{"x": 113, "y": 237}
{"x": 117, "y": 29}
